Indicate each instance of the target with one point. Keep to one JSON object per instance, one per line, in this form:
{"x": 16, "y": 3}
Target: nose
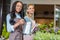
{"x": 32, "y": 10}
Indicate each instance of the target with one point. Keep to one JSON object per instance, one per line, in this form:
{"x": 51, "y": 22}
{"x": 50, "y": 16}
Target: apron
{"x": 17, "y": 34}
{"x": 28, "y": 37}
{"x": 27, "y": 29}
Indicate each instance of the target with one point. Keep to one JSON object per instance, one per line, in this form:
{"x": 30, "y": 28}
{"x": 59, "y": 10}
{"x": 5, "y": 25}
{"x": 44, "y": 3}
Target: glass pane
{"x": 57, "y": 16}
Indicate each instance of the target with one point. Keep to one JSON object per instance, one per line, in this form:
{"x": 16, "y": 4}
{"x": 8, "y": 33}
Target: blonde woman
{"x": 30, "y": 23}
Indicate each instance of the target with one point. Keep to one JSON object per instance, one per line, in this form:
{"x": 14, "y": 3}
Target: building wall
{"x": 39, "y": 1}
{"x": 44, "y": 21}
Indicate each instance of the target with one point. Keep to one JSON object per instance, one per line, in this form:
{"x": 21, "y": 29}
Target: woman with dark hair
{"x": 15, "y": 21}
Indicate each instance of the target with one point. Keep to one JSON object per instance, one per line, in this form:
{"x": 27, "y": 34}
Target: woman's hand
{"x": 21, "y": 21}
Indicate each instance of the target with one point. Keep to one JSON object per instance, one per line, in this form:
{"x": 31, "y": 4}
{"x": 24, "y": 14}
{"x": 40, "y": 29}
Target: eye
{"x": 30, "y": 8}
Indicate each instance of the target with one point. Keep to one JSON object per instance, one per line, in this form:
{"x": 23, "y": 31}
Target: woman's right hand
{"x": 21, "y": 21}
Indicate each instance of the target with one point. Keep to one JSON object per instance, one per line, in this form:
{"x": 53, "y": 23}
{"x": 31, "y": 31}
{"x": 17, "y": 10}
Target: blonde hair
{"x": 28, "y": 6}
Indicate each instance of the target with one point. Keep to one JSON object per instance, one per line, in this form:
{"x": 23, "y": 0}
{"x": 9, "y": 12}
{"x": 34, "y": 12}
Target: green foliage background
{"x": 5, "y": 34}
{"x": 46, "y": 36}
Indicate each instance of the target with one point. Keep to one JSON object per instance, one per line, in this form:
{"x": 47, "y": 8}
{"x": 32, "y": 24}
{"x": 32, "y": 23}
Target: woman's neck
{"x": 29, "y": 16}
{"x": 16, "y": 12}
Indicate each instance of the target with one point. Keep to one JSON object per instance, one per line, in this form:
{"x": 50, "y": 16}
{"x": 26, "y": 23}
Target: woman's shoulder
{"x": 26, "y": 18}
{"x": 8, "y": 15}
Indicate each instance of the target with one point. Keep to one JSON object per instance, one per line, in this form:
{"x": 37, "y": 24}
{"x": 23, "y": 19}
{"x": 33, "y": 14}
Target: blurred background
{"x": 47, "y": 12}
{"x": 1, "y": 6}
{"x": 45, "y": 9}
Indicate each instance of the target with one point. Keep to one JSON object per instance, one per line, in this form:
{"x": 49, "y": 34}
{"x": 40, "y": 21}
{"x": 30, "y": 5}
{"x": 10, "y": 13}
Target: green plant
{"x": 51, "y": 24}
{"x": 42, "y": 26}
{"x": 51, "y": 30}
{"x": 58, "y": 32}
{"x": 5, "y": 34}
{"x": 46, "y": 36}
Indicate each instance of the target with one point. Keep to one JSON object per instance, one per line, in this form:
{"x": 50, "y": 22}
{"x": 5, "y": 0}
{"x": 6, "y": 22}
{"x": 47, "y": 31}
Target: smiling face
{"x": 30, "y": 10}
{"x": 18, "y": 7}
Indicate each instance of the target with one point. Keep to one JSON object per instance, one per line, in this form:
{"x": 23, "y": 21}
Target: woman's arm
{"x": 9, "y": 26}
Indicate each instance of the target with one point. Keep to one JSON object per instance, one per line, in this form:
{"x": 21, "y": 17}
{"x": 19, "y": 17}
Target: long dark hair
{"x": 12, "y": 14}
